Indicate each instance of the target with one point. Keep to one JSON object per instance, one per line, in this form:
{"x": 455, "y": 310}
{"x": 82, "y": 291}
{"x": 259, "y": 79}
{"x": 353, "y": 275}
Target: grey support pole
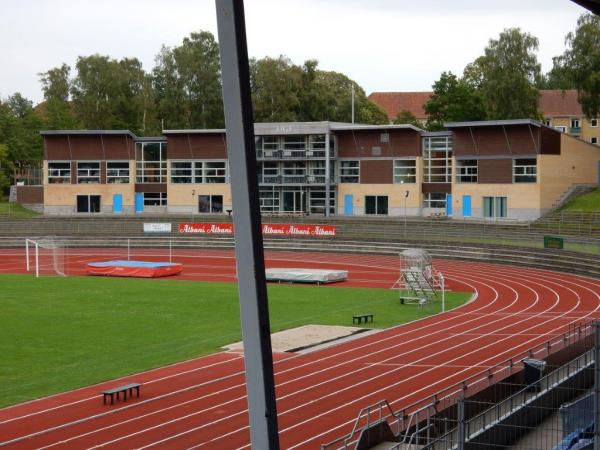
{"x": 327, "y": 169}
{"x": 258, "y": 358}
{"x": 597, "y": 386}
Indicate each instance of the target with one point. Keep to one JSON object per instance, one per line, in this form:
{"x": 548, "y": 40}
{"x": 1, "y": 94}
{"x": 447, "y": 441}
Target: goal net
{"x": 45, "y": 257}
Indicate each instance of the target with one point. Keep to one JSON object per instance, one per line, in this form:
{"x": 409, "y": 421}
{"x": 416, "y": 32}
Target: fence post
{"x": 170, "y": 252}
{"x": 27, "y": 253}
{"x": 127, "y": 249}
{"x": 597, "y": 387}
{"x": 461, "y": 424}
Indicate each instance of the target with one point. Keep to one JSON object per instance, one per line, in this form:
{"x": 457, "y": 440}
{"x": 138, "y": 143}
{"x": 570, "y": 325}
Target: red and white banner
{"x": 206, "y": 228}
{"x": 268, "y": 229}
{"x": 274, "y": 229}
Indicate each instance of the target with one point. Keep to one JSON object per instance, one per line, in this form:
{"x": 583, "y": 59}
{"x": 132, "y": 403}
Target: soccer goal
{"x": 419, "y": 282}
{"x": 45, "y": 257}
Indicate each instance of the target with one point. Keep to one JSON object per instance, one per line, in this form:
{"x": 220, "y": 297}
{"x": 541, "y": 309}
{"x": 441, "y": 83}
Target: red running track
{"x": 202, "y": 403}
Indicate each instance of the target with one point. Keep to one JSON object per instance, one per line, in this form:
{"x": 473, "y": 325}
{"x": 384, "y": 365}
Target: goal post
{"x": 45, "y": 256}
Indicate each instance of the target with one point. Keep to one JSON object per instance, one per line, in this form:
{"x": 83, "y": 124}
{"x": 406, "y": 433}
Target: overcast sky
{"x": 385, "y": 45}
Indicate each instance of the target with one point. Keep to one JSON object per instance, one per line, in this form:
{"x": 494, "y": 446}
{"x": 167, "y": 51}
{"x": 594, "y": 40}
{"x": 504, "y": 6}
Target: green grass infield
{"x": 58, "y": 333}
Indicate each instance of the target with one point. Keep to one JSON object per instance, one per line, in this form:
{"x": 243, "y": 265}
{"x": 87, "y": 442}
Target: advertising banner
{"x": 268, "y": 229}
{"x": 206, "y": 228}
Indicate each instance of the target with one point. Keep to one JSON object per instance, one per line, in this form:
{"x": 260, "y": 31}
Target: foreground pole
{"x": 596, "y": 385}
{"x": 241, "y": 151}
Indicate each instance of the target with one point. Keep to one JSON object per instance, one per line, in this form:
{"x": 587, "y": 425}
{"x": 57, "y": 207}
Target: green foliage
{"x": 53, "y": 338}
{"x": 187, "y": 83}
{"x": 559, "y": 76}
{"x": 276, "y": 88}
{"x": 56, "y": 85}
{"x": 581, "y": 62}
{"x": 453, "y": 100}
{"x": 406, "y": 117}
{"x": 506, "y": 76}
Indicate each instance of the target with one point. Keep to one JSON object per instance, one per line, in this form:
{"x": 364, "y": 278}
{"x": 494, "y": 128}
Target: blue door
{"x": 466, "y": 206}
{"x": 348, "y": 205}
{"x": 448, "y": 205}
{"x": 117, "y": 203}
{"x": 139, "y": 202}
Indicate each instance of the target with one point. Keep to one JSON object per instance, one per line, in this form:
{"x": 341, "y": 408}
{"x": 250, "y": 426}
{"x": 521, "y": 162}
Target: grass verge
{"x": 62, "y": 333}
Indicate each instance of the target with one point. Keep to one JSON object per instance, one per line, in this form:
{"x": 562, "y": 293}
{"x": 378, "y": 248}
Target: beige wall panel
{"x": 65, "y": 194}
{"x": 187, "y": 194}
{"x": 587, "y": 131}
{"x": 578, "y": 163}
{"x": 395, "y": 193}
{"x": 521, "y": 195}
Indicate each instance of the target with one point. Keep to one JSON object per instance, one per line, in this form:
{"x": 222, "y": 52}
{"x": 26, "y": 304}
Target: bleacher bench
{"x": 127, "y": 388}
{"x": 359, "y": 318}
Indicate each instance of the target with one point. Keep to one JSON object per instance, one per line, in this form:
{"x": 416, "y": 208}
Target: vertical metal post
{"x": 443, "y": 293}
{"x": 597, "y": 387}
{"x": 170, "y": 252}
{"x": 461, "y": 424}
{"x": 127, "y": 249}
{"x": 327, "y": 169}
{"x": 37, "y": 261}
{"x": 249, "y": 250}
{"x": 27, "y": 253}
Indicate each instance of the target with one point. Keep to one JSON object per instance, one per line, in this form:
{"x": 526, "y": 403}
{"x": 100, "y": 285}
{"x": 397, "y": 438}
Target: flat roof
{"x": 492, "y": 123}
{"x": 87, "y": 133}
{"x": 283, "y": 128}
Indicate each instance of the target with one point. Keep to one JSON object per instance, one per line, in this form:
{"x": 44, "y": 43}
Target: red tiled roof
{"x": 394, "y": 102}
{"x": 556, "y": 103}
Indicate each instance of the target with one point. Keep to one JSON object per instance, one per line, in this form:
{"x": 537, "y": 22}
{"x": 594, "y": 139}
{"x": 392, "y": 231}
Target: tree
{"x": 453, "y": 100}
{"x": 56, "y": 85}
{"x": 276, "y": 85}
{"x": 406, "y": 117}
{"x": 581, "y": 62}
{"x": 506, "y": 76}
{"x": 187, "y": 83}
{"x": 558, "y": 77}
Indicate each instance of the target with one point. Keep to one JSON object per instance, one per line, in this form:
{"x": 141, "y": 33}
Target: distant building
{"x": 513, "y": 169}
{"x": 560, "y": 110}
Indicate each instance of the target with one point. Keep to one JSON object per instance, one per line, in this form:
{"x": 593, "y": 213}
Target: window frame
{"x": 52, "y": 179}
{"x": 378, "y": 206}
{"x": 495, "y": 204}
{"x": 86, "y": 178}
{"x": 522, "y": 173}
{"x": 410, "y": 177}
{"x": 467, "y": 174}
{"x": 345, "y": 176}
{"x": 119, "y": 178}
{"x": 211, "y": 203}
{"x": 161, "y": 198}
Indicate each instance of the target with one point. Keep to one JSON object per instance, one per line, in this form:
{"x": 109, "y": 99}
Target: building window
{"x": 376, "y": 204}
{"x": 151, "y": 162}
{"x": 59, "y": 172}
{"x": 494, "y": 207}
{"x": 88, "y": 172}
{"x": 466, "y": 171}
{"x": 269, "y": 173}
{"x": 88, "y": 203}
{"x": 437, "y": 159}
{"x": 210, "y": 204}
{"x": 405, "y": 171}
{"x": 349, "y": 171}
{"x": 594, "y": 140}
{"x": 155, "y": 199}
{"x": 524, "y": 170}
{"x": 575, "y": 123}
{"x": 117, "y": 172}
{"x": 199, "y": 172}
{"x": 594, "y": 123}
{"x": 548, "y": 121}
{"x": 181, "y": 172}
{"x": 562, "y": 129}
{"x": 294, "y": 146}
{"x": 434, "y": 200}
{"x": 269, "y": 200}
